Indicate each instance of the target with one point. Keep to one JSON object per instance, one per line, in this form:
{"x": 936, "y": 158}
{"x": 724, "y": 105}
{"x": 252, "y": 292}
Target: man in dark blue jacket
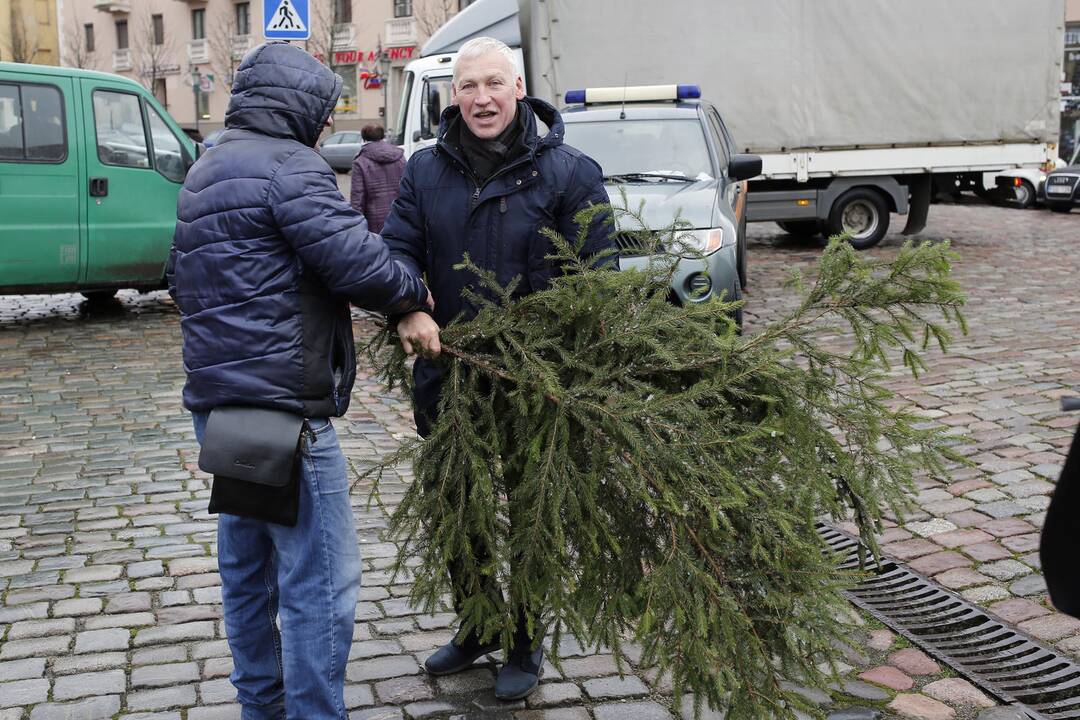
{"x": 487, "y": 188}
{"x": 266, "y": 258}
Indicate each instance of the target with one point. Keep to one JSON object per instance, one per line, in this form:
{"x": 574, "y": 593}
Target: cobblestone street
{"x": 110, "y": 597}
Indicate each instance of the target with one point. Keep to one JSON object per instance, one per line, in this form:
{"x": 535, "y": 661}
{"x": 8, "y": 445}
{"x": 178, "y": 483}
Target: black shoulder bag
{"x": 254, "y": 455}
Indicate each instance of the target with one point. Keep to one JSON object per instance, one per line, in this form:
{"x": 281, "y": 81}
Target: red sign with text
{"x": 352, "y": 57}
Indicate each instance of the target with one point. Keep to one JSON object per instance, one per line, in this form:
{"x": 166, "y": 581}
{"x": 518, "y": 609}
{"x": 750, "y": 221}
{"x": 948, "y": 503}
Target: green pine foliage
{"x": 665, "y": 474}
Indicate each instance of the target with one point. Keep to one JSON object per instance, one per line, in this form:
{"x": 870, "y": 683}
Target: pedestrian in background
{"x": 376, "y": 174}
{"x": 266, "y": 258}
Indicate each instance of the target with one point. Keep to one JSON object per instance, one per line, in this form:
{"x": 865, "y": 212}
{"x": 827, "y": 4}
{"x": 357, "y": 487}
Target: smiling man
{"x": 486, "y": 188}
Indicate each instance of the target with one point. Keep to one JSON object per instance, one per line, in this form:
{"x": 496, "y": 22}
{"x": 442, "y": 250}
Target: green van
{"x": 90, "y": 167}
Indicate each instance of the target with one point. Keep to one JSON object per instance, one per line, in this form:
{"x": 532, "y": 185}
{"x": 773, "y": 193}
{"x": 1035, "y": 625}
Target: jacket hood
{"x": 382, "y": 152}
{"x": 541, "y": 110}
{"x": 283, "y": 92}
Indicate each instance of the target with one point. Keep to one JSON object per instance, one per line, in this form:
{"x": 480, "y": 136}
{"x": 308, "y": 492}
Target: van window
{"x": 168, "y": 153}
{"x": 32, "y": 123}
{"x": 435, "y": 98}
{"x": 121, "y": 137}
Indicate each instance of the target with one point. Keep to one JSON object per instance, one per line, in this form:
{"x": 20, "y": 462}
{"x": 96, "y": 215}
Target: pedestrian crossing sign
{"x": 286, "y": 20}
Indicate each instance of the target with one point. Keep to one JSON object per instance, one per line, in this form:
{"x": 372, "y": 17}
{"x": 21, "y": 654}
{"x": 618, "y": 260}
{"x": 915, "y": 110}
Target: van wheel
{"x": 95, "y": 296}
{"x": 862, "y": 214}
{"x": 802, "y": 229}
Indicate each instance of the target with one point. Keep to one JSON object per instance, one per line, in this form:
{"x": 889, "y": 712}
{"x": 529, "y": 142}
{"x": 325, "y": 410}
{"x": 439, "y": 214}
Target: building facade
{"x": 187, "y": 51}
{"x": 1070, "y": 82}
{"x": 28, "y": 31}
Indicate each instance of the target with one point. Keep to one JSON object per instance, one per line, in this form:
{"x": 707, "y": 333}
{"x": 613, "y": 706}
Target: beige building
{"x": 186, "y": 51}
{"x": 28, "y": 31}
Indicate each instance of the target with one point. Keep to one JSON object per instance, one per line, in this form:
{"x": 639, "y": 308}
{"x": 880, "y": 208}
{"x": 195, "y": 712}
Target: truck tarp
{"x": 490, "y": 18}
{"x": 819, "y": 74}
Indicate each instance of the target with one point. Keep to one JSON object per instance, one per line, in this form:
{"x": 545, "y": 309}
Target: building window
{"x": 198, "y": 23}
{"x": 202, "y": 106}
{"x": 342, "y": 12}
{"x": 121, "y": 35}
{"x": 243, "y": 18}
{"x": 402, "y": 8}
{"x": 88, "y": 33}
{"x": 159, "y": 29}
{"x": 161, "y": 92}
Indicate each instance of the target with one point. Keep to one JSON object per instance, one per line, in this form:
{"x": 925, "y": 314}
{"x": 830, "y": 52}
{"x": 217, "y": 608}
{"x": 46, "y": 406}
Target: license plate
{"x": 1058, "y": 189}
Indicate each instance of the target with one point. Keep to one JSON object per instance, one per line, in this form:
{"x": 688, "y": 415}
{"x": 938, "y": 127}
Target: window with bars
{"x": 121, "y": 34}
{"x": 159, "y": 29}
{"x": 402, "y": 8}
{"x": 88, "y": 34}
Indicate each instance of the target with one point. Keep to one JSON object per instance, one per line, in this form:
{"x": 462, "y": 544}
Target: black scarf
{"x": 486, "y": 157}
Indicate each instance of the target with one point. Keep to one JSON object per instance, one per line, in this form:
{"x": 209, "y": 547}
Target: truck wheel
{"x": 805, "y": 229}
{"x": 862, "y": 214}
{"x": 740, "y": 252}
{"x": 1023, "y": 195}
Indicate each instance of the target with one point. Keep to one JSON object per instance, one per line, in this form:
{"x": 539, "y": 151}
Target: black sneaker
{"x": 456, "y": 655}
{"x": 521, "y": 673}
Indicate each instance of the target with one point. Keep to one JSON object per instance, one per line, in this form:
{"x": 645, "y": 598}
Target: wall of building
{"x": 369, "y": 50}
{"x": 28, "y": 31}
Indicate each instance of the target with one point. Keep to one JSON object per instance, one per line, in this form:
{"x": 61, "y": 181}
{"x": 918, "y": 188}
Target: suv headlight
{"x": 705, "y": 241}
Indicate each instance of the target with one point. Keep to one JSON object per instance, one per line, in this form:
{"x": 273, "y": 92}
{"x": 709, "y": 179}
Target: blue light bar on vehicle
{"x": 634, "y": 93}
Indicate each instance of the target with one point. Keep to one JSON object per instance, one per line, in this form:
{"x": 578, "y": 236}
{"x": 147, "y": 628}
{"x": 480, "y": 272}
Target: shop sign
{"x": 354, "y": 57}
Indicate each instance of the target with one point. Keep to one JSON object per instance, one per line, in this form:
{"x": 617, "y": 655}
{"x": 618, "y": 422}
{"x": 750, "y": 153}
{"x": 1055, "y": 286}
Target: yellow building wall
{"x": 35, "y": 20}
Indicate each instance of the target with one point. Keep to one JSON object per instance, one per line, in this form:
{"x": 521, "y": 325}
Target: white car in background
{"x": 1018, "y": 187}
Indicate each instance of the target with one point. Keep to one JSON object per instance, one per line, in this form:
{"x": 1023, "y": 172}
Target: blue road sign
{"x": 286, "y": 20}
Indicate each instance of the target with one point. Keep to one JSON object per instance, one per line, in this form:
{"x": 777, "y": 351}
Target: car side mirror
{"x": 744, "y": 167}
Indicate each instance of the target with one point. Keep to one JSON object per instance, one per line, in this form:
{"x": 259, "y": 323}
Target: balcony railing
{"x": 400, "y": 31}
{"x": 121, "y": 60}
{"x": 198, "y": 51}
{"x": 240, "y": 45}
{"x": 344, "y": 36}
{"x": 113, "y": 6}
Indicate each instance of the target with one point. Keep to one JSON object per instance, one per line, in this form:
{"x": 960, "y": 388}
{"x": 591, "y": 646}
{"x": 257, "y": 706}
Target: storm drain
{"x": 1003, "y": 662}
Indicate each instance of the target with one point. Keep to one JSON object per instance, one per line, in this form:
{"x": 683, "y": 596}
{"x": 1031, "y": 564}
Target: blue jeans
{"x": 308, "y": 576}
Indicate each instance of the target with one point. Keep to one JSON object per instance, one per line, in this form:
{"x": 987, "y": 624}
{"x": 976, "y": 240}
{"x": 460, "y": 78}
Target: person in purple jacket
{"x": 376, "y": 174}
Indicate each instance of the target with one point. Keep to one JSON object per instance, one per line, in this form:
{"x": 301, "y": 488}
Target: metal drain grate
{"x": 1003, "y": 662}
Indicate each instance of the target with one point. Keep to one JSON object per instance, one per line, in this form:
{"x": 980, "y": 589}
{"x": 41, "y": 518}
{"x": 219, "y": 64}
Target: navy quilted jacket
{"x": 267, "y": 254}
{"x": 441, "y": 213}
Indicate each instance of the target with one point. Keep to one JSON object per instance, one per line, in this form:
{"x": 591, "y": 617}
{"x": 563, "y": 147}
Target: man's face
{"x": 487, "y": 91}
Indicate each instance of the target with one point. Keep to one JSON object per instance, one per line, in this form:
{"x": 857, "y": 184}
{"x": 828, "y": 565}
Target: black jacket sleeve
{"x": 586, "y": 188}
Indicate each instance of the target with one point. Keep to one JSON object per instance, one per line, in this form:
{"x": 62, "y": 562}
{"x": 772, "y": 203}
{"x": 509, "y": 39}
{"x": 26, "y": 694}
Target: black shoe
{"x": 457, "y": 655}
{"x": 521, "y": 673}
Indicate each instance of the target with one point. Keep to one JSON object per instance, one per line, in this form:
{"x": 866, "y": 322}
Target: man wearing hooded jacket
{"x": 266, "y": 258}
{"x": 486, "y": 188}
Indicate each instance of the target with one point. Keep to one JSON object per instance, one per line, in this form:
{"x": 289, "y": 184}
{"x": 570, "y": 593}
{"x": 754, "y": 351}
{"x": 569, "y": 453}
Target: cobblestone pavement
{"x": 110, "y": 599}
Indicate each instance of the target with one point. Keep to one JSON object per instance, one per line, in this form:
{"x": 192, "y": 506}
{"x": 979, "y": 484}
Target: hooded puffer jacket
{"x": 376, "y": 174}
{"x": 267, "y": 254}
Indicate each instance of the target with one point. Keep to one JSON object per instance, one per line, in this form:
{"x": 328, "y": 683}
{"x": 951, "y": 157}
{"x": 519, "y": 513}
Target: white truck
{"x": 858, "y": 108}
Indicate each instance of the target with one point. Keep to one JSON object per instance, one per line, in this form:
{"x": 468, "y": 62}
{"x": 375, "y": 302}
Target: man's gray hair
{"x": 478, "y": 47}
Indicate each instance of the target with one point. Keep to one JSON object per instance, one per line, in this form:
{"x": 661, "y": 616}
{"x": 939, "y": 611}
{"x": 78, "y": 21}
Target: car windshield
{"x": 644, "y": 150}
